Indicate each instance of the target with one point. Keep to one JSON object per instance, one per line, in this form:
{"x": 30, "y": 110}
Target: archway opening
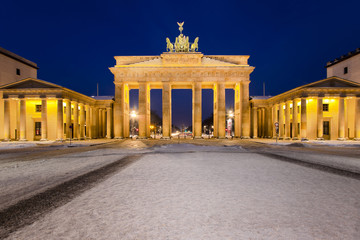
{"x": 181, "y": 112}
{"x": 229, "y": 112}
{"x": 133, "y": 111}
{"x": 207, "y": 110}
{"x": 156, "y": 113}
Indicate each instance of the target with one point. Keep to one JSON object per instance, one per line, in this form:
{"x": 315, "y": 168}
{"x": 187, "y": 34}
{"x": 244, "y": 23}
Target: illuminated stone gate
{"x": 182, "y": 68}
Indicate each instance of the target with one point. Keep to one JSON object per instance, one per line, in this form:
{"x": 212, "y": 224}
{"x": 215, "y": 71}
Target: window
{"x": 325, "y": 107}
{"x": 18, "y": 71}
{"x": 298, "y": 109}
{"x": 37, "y": 108}
{"x": 345, "y": 70}
{"x": 298, "y": 128}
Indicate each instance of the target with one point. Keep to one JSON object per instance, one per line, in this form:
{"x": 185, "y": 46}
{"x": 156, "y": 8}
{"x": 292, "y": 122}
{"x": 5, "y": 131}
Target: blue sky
{"x": 73, "y": 42}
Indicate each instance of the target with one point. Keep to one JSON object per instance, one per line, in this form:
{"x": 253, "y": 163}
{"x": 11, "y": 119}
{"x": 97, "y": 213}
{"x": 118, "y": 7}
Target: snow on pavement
{"x": 208, "y": 195}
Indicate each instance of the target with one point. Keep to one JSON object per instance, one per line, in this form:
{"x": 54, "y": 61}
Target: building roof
{"x": 334, "y": 83}
{"x": 260, "y": 97}
{"x": 343, "y": 57}
{"x": 103, "y": 97}
{"x": 18, "y": 58}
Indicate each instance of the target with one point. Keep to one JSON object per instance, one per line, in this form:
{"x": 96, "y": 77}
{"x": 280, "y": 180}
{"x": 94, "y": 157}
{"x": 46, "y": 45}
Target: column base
{"x": 280, "y": 138}
{"x": 118, "y": 138}
{"x": 245, "y": 137}
{"x": 341, "y": 139}
{"x": 221, "y": 137}
{"x": 320, "y": 139}
{"x": 142, "y": 137}
{"x": 60, "y": 140}
{"x": 254, "y": 137}
{"x": 41, "y": 140}
{"x": 75, "y": 139}
{"x": 165, "y": 138}
{"x": 88, "y": 138}
{"x": 7, "y": 140}
{"x": 295, "y": 138}
{"x": 304, "y": 139}
{"x": 198, "y": 137}
{"x": 356, "y": 139}
{"x": 287, "y": 138}
{"x": 82, "y": 138}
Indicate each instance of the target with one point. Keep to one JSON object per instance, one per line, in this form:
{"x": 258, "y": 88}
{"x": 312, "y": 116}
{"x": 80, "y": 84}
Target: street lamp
{"x": 133, "y": 116}
{"x": 230, "y": 122}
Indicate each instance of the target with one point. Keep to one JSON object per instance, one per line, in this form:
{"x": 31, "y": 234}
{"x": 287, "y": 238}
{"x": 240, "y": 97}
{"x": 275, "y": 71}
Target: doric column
{"x": 320, "y": 123}
{"x": 22, "y": 120}
{"x": 303, "y": 119}
{"x": 357, "y": 118}
{"x": 100, "y": 123}
{"x": 341, "y": 118}
{"x": 237, "y": 116}
{"x": 43, "y": 120}
{"x": 274, "y": 119}
{"x": 82, "y": 121}
{"x": 95, "y": 122}
{"x": 245, "y": 110}
{"x": 91, "y": 126}
{"x": 118, "y": 121}
{"x": 144, "y": 110}
{"x": 108, "y": 122}
{"x": 88, "y": 122}
{"x": 215, "y": 112}
{"x": 196, "y": 105}
{"x": 263, "y": 125}
{"x": 255, "y": 122}
{"x": 76, "y": 121}
{"x": 60, "y": 120}
{"x": 221, "y": 110}
{"x": 68, "y": 118}
{"x": 104, "y": 123}
{"x": 166, "y": 104}
{"x": 287, "y": 120}
{"x": 268, "y": 122}
{"x": 281, "y": 121}
{"x": 7, "y": 119}
{"x": 295, "y": 120}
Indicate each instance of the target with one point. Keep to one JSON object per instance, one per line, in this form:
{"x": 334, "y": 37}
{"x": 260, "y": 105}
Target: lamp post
{"x": 133, "y": 116}
{"x": 230, "y": 122}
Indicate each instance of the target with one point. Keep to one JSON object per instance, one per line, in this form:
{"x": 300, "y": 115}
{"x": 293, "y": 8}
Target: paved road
{"x": 37, "y": 182}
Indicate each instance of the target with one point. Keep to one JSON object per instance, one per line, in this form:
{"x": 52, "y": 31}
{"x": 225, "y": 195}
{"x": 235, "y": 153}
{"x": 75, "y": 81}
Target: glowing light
{"x": 133, "y": 114}
{"x": 64, "y": 104}
{"x": 291, "y": 105}
{"x": 326, "y": 100}
{"x": 299, "y": 103}
{"x": 332, "y": 100}
{"x": 284, "y": 107}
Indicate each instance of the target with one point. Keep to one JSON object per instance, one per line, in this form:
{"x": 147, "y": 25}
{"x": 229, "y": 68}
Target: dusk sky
{"x": 74, "y": 42}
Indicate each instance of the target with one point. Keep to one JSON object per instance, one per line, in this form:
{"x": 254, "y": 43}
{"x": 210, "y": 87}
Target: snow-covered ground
{"x": 184, "y": 191}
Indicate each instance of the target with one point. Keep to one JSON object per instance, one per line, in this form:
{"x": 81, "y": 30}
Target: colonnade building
{"x": 33, "y": 109}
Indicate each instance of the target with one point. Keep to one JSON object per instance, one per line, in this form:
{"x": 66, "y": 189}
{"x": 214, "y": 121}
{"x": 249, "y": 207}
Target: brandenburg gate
{"x": 182, "y": 67}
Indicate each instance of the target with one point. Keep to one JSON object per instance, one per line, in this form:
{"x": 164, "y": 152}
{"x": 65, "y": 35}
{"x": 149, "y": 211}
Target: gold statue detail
{"x": 195, "y": 46}
{"x": 169, "y": 46}
{"x": 180, "y": 27}
{"x": 182, "y": 43}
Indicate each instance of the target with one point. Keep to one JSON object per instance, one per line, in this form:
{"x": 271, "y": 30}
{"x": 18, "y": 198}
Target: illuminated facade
{"x": 327, "y": 109}
{"x": 182, "y": 67}
{"x": 32, "y": 109}
{"x": 37, "y": 110}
